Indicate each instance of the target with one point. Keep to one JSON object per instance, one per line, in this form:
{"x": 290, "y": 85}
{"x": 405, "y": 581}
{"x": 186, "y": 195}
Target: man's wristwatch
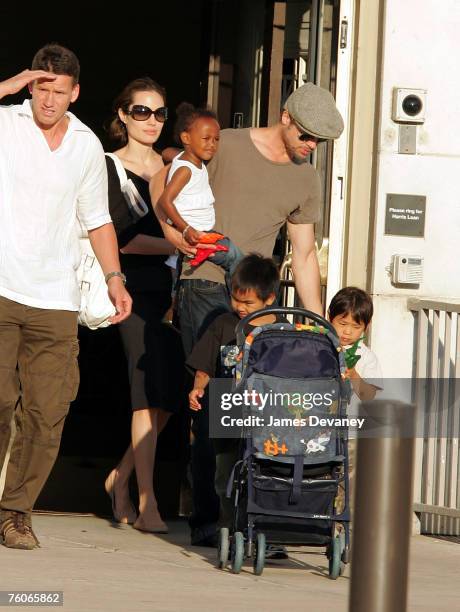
{"x": 112, "y": 274}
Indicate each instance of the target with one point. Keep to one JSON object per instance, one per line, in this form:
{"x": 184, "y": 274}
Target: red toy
{"x": 203, "y": 254}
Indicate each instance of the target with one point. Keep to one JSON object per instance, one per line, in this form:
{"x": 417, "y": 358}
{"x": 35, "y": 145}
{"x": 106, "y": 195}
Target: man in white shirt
{"x": 52, "y": 170}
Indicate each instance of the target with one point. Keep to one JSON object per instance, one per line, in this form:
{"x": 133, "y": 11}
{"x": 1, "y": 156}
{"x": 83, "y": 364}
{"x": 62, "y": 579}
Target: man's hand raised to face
{"x": 21, "y": 80}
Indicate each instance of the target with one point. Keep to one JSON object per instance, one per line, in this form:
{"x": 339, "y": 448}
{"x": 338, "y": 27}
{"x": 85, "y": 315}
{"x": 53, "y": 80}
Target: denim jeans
{"x": 228, "y": 260}
{"x": 199, "y": 303}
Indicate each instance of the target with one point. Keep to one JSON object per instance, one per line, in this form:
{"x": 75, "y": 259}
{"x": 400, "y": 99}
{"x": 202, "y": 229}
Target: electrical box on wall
{"x": 406, "y": 269}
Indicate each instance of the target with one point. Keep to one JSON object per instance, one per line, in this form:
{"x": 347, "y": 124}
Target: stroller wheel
{"x": 335, "y": 564}
{"x": 223, "y": 546}
{"x": 237, "y": 552}
{"x": 259, "y": 554}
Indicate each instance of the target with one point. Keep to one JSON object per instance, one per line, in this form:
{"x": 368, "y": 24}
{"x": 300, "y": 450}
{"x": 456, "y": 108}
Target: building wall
{"x": 419, "y": 50}
{"x": 362, "y": 146}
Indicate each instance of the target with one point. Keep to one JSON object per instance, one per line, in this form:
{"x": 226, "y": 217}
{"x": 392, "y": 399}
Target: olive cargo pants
{"x": 38, "y": 380}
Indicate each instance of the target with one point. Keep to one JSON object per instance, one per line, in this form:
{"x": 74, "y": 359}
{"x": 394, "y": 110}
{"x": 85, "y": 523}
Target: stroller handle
{"x": 279, "y": 310}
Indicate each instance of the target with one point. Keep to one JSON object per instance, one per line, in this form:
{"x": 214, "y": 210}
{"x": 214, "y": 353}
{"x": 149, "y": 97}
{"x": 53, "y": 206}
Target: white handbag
{"x": 95, "y": 304}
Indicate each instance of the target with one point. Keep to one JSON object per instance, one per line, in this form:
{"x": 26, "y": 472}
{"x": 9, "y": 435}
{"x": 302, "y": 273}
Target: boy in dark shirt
{"x": 254, "y": 286}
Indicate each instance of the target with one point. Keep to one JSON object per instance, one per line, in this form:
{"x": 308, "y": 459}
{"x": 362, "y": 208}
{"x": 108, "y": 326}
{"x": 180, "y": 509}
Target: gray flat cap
{"x": 313, "y": 109}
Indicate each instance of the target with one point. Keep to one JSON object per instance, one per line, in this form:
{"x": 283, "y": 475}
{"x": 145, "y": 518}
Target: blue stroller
{"x": 293, "y": 459}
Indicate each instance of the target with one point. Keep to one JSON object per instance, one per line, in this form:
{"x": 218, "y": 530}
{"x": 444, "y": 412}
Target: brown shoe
{"x": 16, "y": 530}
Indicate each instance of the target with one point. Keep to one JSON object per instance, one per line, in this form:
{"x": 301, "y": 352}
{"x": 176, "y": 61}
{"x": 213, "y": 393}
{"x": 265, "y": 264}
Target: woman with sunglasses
{"x": 139, "y": 116}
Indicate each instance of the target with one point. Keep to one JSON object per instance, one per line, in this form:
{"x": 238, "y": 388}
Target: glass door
{"x": 313, "y": 38}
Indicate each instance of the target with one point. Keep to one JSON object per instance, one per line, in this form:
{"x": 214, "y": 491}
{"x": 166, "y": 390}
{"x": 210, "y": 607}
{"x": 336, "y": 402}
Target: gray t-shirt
{"x": 254, "y": 197}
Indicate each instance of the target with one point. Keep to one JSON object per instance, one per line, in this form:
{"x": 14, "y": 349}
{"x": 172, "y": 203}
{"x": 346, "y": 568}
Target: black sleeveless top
{"x": 143, "y": 272}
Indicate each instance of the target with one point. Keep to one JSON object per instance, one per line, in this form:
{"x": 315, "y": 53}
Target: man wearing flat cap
{"x": 261, "y": 180}
{"x": 314, "y": 111}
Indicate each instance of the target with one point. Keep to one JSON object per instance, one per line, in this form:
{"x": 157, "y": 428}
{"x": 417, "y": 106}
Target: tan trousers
{"x": 38, "y": 380}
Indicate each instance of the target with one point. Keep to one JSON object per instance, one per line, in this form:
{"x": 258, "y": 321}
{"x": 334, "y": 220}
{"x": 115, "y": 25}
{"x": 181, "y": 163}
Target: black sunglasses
{"x": 304, "y": 136}
{"x": 141, "y": 113}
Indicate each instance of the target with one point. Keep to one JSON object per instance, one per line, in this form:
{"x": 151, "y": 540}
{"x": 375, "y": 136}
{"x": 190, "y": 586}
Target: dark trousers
{"x": 38, "y": 380}
{"x": 227, "y": 454}
{"x": 199, "y": 302}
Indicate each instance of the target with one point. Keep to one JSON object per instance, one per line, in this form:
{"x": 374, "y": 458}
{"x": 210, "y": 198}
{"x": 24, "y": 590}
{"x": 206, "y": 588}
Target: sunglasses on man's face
{"x": 141, "y": 113}
{"x": 305, "y": 136}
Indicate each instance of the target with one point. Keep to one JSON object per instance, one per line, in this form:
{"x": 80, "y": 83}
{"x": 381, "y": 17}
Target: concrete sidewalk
{"x": 101, "y": 566}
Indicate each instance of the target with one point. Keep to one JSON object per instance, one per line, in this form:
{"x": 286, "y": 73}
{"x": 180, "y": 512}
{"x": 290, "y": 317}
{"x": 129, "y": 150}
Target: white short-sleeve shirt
{"x": 42, "y": 192}
{"x": 368, "y": 367}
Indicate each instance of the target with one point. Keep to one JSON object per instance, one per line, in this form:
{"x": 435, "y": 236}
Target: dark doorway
{"x": 167, "y": 41}
{"x": 114, "y": 45}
